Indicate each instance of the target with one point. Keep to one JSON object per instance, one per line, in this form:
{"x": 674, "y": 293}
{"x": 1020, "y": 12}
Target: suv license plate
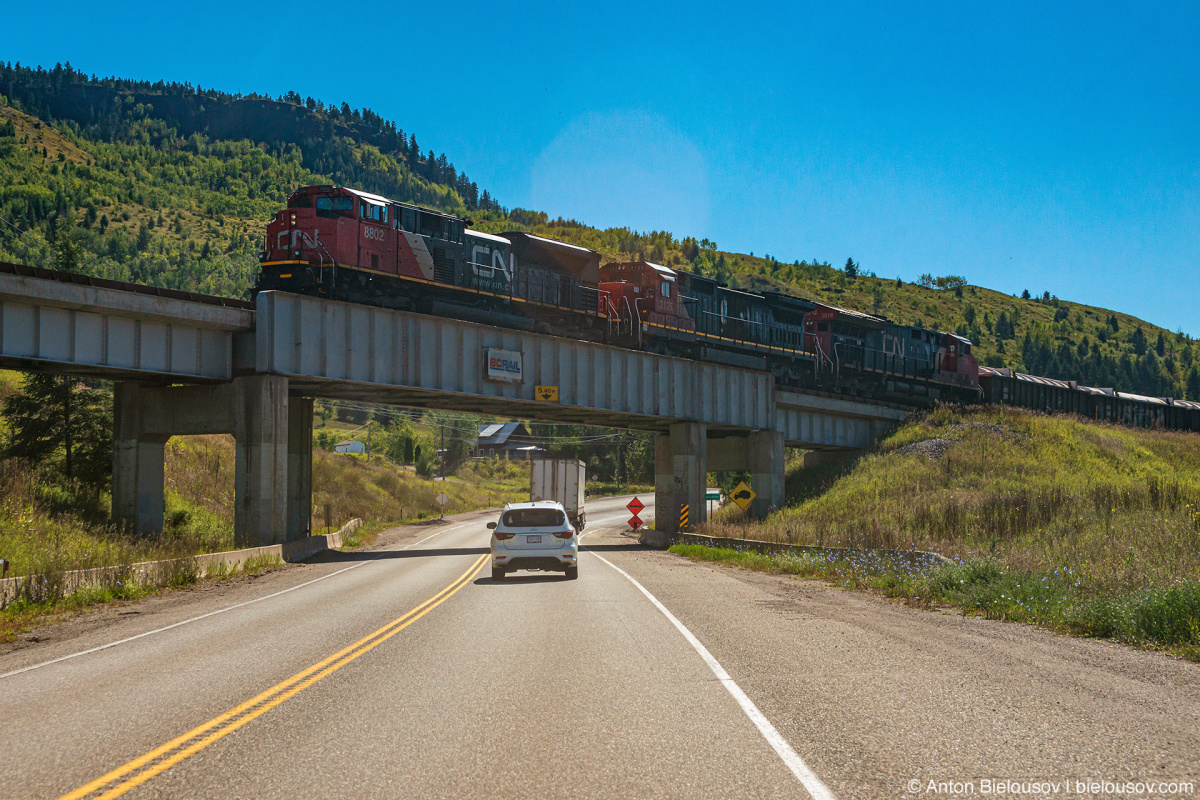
{"x": 533, "y": 540}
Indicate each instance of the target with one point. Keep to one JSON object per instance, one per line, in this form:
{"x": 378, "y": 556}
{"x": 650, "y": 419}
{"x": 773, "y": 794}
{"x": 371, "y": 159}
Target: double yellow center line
{"x": 143, "y": 768}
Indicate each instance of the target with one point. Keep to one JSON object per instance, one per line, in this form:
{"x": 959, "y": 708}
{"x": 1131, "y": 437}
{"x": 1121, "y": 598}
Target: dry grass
{"x": 375, "y": 490}
{"x": 200, "y": 476}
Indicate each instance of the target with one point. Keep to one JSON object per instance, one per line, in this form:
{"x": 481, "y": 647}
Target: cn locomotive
{"x": 353, "y": 246}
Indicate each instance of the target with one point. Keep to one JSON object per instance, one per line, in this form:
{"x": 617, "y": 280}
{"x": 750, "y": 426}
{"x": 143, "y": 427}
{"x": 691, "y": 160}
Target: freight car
{"x": 1005, "y": 387}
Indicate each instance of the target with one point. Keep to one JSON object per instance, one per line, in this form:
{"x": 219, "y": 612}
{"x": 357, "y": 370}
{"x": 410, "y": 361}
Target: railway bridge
{"x": 189, "y": 364}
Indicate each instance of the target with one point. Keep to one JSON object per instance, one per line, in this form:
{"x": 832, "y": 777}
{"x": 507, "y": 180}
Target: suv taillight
{"x": 564, "y": 534}
{"x": 500, "y": 535}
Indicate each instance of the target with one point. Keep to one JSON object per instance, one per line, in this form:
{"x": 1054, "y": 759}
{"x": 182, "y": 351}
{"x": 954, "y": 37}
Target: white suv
{"x": 534, "y": 536}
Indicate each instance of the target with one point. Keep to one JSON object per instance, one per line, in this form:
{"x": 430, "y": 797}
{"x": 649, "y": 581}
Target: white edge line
{"x": 219, "y": 610}
{"x": 791, "y": 759}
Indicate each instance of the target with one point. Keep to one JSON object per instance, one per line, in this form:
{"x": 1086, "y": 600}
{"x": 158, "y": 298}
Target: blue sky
{"x": 1054, "y": 147}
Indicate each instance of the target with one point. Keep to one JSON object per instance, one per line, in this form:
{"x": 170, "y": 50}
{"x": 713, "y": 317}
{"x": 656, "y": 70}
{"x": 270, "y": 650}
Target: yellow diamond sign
{"x": 548, "y": 394}
{"x": 742, "y": 495}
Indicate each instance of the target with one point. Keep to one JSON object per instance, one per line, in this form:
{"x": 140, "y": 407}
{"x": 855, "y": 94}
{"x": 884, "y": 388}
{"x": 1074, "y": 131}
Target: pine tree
{"x": 143, "y": 237}
{"x": 1138, "y": 339}
{"x": 61, "y": 420}
{"x": 66, "y": 255}
{"x": 1193, "y": 384}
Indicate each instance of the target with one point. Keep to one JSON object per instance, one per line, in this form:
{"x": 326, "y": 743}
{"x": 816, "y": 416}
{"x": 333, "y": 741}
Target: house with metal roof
{"x": 505, "y": 440}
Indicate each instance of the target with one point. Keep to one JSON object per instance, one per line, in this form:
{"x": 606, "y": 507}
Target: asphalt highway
{"x": 405, "y": 671}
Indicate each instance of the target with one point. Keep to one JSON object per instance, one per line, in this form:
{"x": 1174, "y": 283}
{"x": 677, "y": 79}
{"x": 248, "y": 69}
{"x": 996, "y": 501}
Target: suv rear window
{"x": 532, "y": 518}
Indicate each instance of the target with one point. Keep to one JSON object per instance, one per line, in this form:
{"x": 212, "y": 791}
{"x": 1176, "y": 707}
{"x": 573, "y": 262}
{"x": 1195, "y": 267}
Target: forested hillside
{"x": 172, "y": 185}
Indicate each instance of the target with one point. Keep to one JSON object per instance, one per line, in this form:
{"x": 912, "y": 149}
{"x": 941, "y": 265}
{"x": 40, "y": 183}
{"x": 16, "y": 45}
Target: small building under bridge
{"x": 505, "y": 440}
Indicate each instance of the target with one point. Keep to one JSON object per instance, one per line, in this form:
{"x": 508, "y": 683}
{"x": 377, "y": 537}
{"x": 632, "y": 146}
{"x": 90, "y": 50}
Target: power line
{"x": 459, "y": 422}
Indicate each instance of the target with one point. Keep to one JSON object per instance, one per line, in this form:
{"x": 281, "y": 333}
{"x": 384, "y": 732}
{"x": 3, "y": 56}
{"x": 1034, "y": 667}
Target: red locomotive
{"x": 362, "y": 248}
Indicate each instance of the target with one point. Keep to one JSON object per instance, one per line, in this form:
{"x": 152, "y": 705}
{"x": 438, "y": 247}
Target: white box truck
{"x": 561, "y": 480}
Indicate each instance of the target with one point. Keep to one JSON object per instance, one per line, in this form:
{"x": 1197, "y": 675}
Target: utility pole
{"x": 622, "y": 445}
{"x": 442, "y": 455}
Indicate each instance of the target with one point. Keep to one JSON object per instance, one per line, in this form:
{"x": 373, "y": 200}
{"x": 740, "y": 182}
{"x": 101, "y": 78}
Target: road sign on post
{"x": 634, "y": 507}
{"x": 442, "y": 499}
{"x": 683, "y": 516}
{"x": 742, "y": 495}
{"x": 710, "y": 495}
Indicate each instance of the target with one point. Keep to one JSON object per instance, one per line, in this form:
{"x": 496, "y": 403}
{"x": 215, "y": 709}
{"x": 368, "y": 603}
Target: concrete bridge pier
{"x": 761, "y": 454}
{"x": 273, "y": 465}
{"x": 680, "y": 475}
{"x": 299, "y": 467}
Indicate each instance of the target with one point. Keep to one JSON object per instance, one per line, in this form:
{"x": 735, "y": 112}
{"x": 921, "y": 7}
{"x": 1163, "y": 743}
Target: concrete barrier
{"x": 160, "y": 573}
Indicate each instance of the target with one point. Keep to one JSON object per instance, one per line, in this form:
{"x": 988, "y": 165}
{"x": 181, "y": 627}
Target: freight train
{"x": 353, "y": 246}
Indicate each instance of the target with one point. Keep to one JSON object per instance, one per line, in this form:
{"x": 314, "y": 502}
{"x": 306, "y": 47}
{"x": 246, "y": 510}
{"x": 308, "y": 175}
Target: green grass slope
{"x": 1117, "y": 506}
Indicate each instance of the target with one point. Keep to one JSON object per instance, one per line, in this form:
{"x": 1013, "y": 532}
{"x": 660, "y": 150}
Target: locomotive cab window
{"x": 666, "y": 289}
{"x": 335, "y": 204}
{"x": 822, "y": 326}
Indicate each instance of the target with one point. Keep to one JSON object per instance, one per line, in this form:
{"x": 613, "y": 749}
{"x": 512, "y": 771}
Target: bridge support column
{"x": 273, "y": 445}
{"x": 680, "y": 475}
{"x": 299, "y": 467}
{"x": 761, "y": 454}
{"x": 765, "y": 454}
{"x": 137, "y": 490}
{"x": 260, "y": 506}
